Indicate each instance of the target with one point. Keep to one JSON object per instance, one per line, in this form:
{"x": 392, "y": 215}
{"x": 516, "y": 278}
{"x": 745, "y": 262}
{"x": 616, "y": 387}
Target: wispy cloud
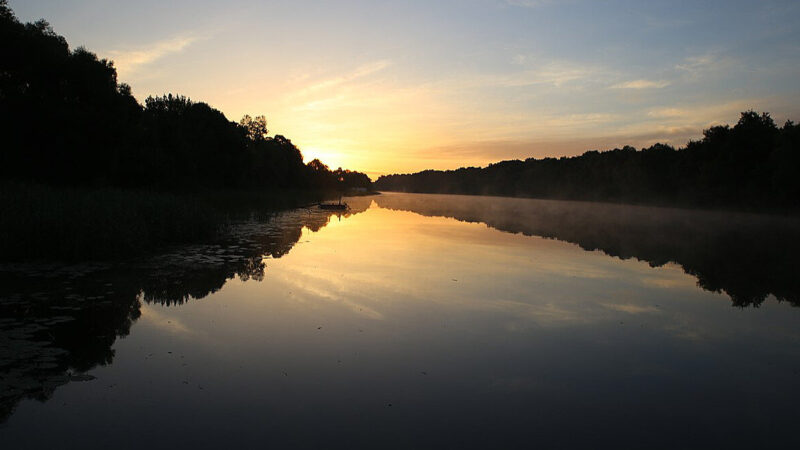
{"x": 130, "y": 60}
{"x": 556, "y": 73}
{"x": 694, "y": 67}
{"x": 327, "y": 104}
{"x": 642, "y": 84}
{"x": 360, "y": 72}
{"x": 696, "y": 63}
{"x": 661, "y": 113}
{"x": 346, "y": 91}
{"x": 704, "y": 115}
{"x": 560, "y": 73}
{"x": 632, "y": 309}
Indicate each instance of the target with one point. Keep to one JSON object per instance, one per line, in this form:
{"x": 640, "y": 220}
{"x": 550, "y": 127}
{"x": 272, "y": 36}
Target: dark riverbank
{"x": 750, "y": 166}
{"x": 109, "y": 177}
{"x": 109, "y": 223}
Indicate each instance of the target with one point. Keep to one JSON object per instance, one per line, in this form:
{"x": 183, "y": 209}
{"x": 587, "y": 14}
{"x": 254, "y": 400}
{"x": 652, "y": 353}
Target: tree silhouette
{"x": 753, "y": 164}
{"x": 66, "y": 120}
{"x": 256, "y": 128}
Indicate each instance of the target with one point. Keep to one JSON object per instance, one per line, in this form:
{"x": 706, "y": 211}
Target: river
{"x": 417, "y": 321}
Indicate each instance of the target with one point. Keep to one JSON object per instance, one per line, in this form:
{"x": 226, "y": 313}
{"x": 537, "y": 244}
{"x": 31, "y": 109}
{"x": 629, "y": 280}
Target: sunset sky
{"x": 402, "y": 86}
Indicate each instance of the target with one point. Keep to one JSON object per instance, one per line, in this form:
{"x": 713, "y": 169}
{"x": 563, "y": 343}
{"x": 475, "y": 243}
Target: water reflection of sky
{"x": 392, "y": 329}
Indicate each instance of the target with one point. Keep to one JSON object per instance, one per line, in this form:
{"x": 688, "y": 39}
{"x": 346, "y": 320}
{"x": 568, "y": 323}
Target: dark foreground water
{"x": 418, "y": 321}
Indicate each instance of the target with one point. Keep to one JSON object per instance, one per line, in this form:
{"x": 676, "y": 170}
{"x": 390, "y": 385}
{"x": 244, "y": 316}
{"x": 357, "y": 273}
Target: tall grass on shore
{"x": 38, "y": 222}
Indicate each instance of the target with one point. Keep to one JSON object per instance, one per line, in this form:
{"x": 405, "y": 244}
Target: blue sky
{"x": 402, "y": 86}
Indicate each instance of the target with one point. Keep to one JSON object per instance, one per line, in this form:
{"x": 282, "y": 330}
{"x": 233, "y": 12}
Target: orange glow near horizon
{"x": 361, "y": 121}
{"x": 396, "y": 88}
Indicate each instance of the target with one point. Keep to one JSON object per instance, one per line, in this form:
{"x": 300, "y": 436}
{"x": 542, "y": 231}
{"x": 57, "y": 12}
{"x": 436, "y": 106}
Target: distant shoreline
{"x": 751, "y": 166}
{"x": 689, "y": 207}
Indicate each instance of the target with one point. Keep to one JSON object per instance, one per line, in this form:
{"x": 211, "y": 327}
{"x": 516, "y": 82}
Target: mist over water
{"x": 747, "y": 256}
{"x": 413, "y": 320}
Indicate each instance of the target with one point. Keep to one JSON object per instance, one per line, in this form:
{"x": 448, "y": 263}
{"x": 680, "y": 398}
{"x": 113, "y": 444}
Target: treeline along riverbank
{"x": 88, "y": 171}
{"x": 752, "y": 165}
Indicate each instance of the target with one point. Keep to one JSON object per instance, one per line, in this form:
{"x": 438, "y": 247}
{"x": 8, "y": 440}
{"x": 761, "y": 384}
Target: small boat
{"x": 334, "y": 206}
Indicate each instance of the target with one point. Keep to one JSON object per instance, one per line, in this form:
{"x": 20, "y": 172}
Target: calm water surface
{"x": 418, "y": 321}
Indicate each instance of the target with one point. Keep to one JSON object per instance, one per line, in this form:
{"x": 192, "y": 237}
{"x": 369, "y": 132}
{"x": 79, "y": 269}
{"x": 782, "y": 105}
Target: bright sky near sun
{"x": 400, "y": 86}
